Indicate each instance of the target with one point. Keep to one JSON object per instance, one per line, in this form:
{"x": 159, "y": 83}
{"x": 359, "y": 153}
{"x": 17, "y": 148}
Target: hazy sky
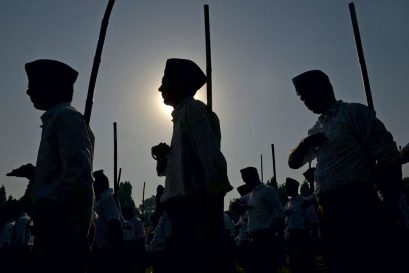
{"x": 257, "y": 47}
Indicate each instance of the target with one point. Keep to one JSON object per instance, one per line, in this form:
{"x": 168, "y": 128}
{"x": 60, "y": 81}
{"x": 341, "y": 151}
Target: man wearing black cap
{"x": 354, "y": 152}
{"x": 195, "y": 170}
{"x": 62, "y": 179}
{"x": 265, "y": 222}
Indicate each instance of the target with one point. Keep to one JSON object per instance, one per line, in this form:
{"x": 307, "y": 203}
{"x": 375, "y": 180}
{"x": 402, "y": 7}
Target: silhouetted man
{"x": 62, "y": 179}
{"x": 108, "y": 243}
{"x": 195, "y": 169}
{"x": 354, "y": 152}
{"x": 265, "y": 222}
{"x": 301, "y": 226}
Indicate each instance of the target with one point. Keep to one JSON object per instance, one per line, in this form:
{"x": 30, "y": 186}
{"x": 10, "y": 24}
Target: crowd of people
{"x": 354, "y": 216}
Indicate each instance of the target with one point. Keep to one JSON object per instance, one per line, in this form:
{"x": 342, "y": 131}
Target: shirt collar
{"x": 331, "y": 111}
{"x": 178, "y": 109}
{"x": 50, "y": 112}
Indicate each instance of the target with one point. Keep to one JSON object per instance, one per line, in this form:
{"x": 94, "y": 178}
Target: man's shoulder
{"x": 68, "y": 114}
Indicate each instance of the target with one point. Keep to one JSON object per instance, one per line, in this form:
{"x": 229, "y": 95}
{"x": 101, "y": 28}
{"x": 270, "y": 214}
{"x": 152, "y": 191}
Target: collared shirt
{"x": 298, "y": 217}
{"x": 355, "y": 139}
{"x": 106, "y": 209}
{"x": 265, "y": 207}
{"x": 195, "y": 163}
{"x": 63, "y": 172}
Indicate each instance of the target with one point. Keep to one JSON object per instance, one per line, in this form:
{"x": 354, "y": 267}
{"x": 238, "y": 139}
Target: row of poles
{"x": 97, "y": 61}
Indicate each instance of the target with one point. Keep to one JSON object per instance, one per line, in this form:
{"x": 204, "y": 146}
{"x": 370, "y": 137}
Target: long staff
{"x": 115, "y": 164}
{"x": 208, "y": 59}
{"x": 361, "y": 56}
{"x": 274, "y": 163}
{"x": 97, "y": 61}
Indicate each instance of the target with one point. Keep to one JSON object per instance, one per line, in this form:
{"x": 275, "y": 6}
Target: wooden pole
{"x": 361, "y": 56}
{"x": 97, "y": 61}
{"x": 115, "y": 164}
{"x": 261, "y": 161}
{"x": 208, "y": 59}
{"x": 143, "y": 199}
{"x": 274, "y": 162}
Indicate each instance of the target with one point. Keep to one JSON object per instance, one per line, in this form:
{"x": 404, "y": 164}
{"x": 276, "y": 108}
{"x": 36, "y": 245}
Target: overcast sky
{"x": 257, "y": 47}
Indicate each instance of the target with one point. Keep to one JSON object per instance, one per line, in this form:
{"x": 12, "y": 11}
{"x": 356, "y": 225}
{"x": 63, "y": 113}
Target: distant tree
{"x": 148, "y": 208}
{"x": 125, "y": 195}
{"x": 3, "y": 196}
{"x": 305, "y": 189}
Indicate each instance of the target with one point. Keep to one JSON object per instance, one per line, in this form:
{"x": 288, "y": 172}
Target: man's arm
{"x": 207, "y": 146}
{"x": 304, "y": 151}
{"x": 379, "y": 142}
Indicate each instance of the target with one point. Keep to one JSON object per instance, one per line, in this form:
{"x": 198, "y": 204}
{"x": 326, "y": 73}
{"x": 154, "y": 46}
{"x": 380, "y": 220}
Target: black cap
{"x": 243, "y": 189}
{"x": 291, "y": 182}
{"x": 51, "y": 71}
{"x": 249, "y": 173}
{"x": 311, "y": 80}
{"x": 185, "y": 72}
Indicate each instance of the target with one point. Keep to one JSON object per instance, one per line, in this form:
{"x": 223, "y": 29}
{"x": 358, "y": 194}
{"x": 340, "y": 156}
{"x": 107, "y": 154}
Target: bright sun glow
{"x": 166, "y": 109}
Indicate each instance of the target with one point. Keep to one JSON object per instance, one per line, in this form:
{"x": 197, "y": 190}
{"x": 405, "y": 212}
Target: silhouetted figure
{"x": 265, "y": 223}
{"x": 108, "y": 243}
{"x": 354, "y": 152}
{"x": 405, "y": 154}
{"x": 7, "y": 259}
{"x": 134, "y": 254}
{"x": 242, "y": 238}
{"x": 159, "y": 247}
{"x": 195, "y": 170}
{"x": 301, "y": 226}
{"x": 62, "y": 178}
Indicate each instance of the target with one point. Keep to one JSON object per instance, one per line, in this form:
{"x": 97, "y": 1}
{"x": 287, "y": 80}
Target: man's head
{"x": 50, "y": 82}
{"x": 250, "y": 177}
{"x": 182, "y": 78}
{"x": 315, "y": 90}
{"x": 291, "y": 186}
{"x": 101, "y": 182}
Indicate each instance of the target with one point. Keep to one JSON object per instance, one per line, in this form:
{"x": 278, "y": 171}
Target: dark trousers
{"x": 355, "y": 234}
{"x": 264, "y": 252}
{"x": 300, "y": 251}
{"x": 56, "y": 248}
{"x": 197, "y": 234}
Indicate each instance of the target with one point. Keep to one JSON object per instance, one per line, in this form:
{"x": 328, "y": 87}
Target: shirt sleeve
{"x": 373, "y": 134}
{"x": 207, "y": 147}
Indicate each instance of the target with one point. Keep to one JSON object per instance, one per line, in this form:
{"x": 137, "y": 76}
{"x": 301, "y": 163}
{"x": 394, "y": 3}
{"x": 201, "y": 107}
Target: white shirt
{"x": 229, "y": 224}
{"x": 195, "y": 163}
{"x": 64, "y": 162}
{"x": 22, "y": 231}
{"x": 243, "y": 234}
{"x": 298, "y": 217}
{"x": 161, "y": 235}
{"x": 106, "y": 210}
{"x": 265, "y": 207}
{"x": 6, "y": 234}
{"x": 355, "y": 138}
